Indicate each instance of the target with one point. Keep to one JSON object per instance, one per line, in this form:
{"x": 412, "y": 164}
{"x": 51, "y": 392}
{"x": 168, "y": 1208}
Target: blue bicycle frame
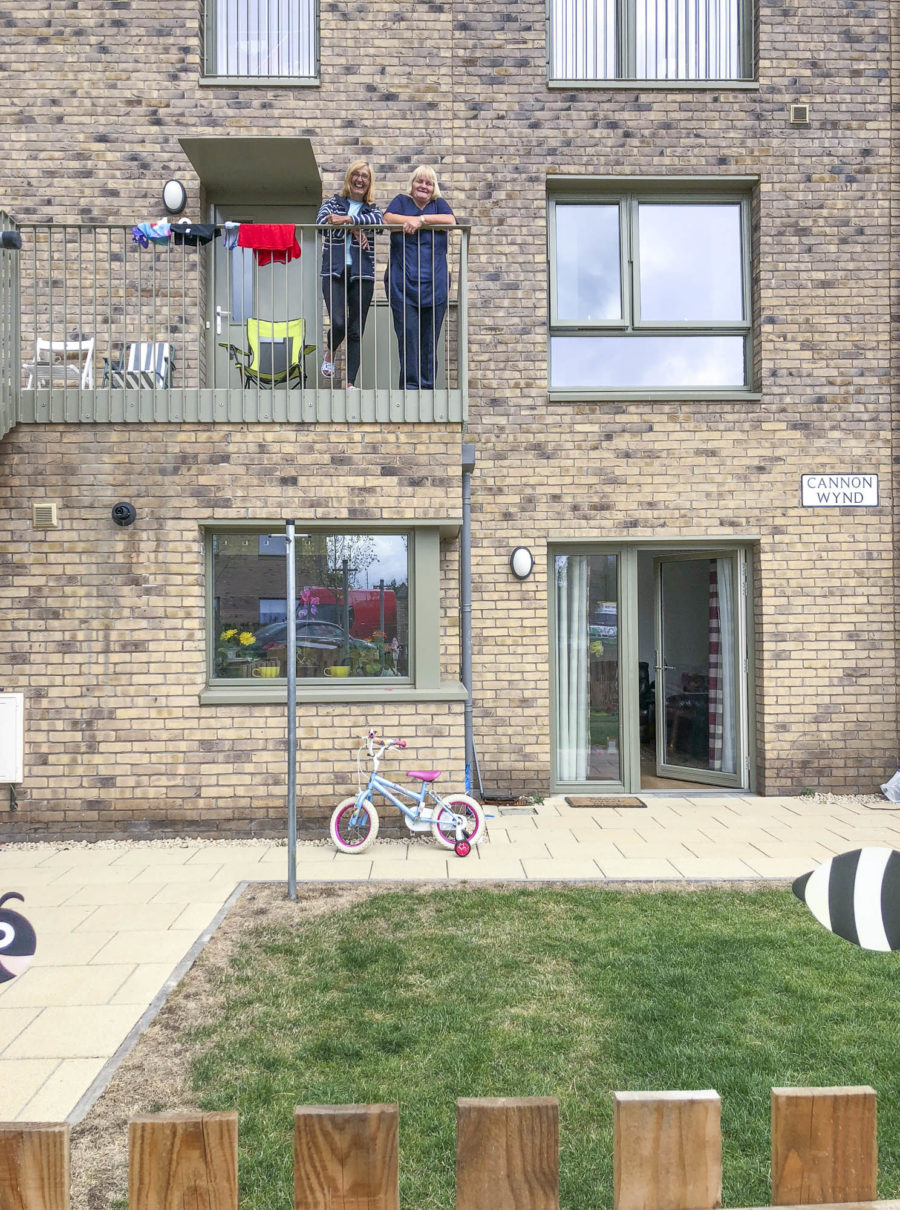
{"x": 390, "y": 790}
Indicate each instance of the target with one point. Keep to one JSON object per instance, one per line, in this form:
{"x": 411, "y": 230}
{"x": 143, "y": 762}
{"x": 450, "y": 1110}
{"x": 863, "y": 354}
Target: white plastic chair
{"x": 61, "y": 363}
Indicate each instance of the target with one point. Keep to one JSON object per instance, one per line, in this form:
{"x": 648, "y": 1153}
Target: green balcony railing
{"x": 97, "y": 328}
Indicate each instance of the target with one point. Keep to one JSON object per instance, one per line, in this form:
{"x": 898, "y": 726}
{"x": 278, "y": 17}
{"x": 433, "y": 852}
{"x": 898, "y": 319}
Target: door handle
{"x": 219, "y": 314}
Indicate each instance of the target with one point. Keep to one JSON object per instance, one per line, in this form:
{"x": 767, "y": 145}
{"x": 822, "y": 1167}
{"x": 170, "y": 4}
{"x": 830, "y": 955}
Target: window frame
{"x": 630, "y": 193}
{"x": 424, "y": 682}
{"x": 626, "y": 54}
{"x": 210, "y": 76}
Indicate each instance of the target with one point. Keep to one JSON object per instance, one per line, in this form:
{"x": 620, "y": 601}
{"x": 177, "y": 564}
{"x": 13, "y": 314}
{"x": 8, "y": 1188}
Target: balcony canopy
{"x": 243, "y": 170}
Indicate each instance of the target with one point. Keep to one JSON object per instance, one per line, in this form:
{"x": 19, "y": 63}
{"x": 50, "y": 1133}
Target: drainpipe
{"x": 465, "y": 593}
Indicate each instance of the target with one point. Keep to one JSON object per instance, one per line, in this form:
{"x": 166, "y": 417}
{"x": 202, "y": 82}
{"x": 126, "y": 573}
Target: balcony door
{"x": 244, "y": 289}
{"x": 649, "y": 669}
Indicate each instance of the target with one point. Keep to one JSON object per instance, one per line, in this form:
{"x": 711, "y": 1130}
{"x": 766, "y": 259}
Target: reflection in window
{"x": 691, "y": 269}
{"x": 262, "y": 37}
{"x": 352, "y": 616}
{"x": 649, "y": 40}
{"x": 588, "y": 740}
{"x": 588, "y": 279}
{"x": 648, "y": 362}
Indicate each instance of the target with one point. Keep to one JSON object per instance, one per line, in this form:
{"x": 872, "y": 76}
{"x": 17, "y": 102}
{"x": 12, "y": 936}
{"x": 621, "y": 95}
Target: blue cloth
{"x": 418, "y": 273}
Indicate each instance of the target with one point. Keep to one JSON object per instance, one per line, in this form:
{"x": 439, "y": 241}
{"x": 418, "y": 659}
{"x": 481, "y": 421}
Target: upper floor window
{"x": 650, "y": 40}
{"x": 261, "y": 39}
{"x": 650, "y": 292}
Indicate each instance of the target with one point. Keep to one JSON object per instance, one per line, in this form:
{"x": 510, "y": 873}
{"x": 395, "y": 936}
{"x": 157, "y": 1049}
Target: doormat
{"x": 606, "y": 801}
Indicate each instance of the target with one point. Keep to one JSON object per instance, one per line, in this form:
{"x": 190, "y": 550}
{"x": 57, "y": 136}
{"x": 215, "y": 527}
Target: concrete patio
{"x": 119, "y": 923}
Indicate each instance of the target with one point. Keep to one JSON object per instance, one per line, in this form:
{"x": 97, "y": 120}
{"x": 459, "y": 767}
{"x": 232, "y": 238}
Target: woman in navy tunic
{"x": 418, "y": 280}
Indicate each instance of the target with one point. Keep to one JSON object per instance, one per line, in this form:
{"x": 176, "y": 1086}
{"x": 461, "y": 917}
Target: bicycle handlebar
{"x": 383, "y": 744}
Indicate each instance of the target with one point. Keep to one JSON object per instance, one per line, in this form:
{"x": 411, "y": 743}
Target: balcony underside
{"x": 230, "y": 405}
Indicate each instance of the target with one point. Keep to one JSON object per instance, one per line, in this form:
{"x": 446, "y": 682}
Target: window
{"x": 267, "y": 39}
{"x": 650, "y": 40}
{"x": 352, "y": 612}
{"x": 649, "y": 293}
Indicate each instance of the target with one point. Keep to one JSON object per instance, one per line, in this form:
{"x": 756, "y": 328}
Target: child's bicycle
{"x": 455, "y": 821}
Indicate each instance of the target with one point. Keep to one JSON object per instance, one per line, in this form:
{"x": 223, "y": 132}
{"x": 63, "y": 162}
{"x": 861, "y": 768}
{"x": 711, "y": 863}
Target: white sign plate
{"x": 837, "y": 490}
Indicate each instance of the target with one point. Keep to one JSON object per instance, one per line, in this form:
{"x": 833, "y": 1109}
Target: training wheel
{"x": 462, "y": 848}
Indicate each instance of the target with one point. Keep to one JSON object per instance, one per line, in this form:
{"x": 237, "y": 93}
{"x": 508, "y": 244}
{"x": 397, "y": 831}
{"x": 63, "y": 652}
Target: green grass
{"x": 575, "y": 994}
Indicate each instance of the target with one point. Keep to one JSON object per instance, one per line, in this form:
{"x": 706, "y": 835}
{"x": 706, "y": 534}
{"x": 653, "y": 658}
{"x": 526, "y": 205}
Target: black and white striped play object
{"x": 857, "y": 896}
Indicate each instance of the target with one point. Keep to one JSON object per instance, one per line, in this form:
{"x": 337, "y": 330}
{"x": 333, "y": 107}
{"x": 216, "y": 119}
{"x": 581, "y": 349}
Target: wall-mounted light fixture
{"x": 174, "y": 196}
{"x": 124, "y": 513}
{"x": 521, "y": 562}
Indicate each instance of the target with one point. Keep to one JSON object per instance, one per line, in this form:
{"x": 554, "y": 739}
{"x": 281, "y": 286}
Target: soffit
{"x": 244, "y": 169}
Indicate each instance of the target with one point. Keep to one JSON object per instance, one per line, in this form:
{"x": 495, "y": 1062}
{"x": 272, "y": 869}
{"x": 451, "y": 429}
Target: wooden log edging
{"x": 667, "y": 1155}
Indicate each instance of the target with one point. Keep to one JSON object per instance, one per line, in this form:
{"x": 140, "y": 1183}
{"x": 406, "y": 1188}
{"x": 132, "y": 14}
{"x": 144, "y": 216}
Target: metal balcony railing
{"x": 96, "y": 327}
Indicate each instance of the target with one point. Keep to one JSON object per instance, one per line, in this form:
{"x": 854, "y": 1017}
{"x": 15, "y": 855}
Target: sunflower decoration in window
{"x": 236, "y": 647}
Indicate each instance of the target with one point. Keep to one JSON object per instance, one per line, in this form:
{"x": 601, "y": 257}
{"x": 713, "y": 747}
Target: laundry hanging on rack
{"x": 194, "y": 233}
{"x": 270, "y": 241}
{"x": 147, "y": 233}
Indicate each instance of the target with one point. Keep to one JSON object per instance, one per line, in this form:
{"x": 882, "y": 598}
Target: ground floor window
{"x": 650, "y": 663}
{"x": 353, "y": 618}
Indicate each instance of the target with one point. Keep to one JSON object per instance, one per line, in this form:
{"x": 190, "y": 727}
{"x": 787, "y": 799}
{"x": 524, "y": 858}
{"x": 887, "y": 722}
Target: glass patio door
{"x": 698, "y": 670}
{"x": 587, "y": 668}
{"x": 243, "y": 289}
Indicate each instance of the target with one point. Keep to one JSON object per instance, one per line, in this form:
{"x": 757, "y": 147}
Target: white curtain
{"x": 725, "y": 578}
{"x": 265, "y": 37}
{"x": 572, "y": 684}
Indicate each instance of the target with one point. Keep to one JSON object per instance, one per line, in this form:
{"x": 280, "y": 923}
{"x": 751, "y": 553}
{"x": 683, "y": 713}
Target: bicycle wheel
{"x": 444, "y": 830}
{"x": 353, "y": 829}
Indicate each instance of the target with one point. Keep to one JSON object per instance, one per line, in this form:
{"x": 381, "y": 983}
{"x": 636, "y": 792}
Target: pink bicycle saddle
{"x": 428, "y": 775}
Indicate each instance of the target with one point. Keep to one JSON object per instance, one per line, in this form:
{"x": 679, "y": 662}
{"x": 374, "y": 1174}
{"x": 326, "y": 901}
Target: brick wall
{"x": 101, "y": 93}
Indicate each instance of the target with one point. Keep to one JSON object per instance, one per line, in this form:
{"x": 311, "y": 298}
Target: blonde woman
{"x": 348, "y": 264}
{"x": 418, "y": 280}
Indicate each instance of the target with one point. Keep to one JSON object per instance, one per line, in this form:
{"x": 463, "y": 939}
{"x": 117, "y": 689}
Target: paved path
{"x": 118, "y": 924}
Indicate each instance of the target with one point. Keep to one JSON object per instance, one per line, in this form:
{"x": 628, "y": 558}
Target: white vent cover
{"x": 12, "y": 737}
{"x": 800, "y": 115}
{"x": 43, "y": 516}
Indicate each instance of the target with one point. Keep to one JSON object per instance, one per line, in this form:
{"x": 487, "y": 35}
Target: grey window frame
{"x": 626, "y": 56}
{"x": 211, "y": 76}
{"x": 424, "y": 682}
{"x": 630, "y": 193}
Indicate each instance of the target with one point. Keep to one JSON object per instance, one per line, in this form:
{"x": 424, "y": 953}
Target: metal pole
{"x": 291, "y": 596}
{"x": 465, "y": 594}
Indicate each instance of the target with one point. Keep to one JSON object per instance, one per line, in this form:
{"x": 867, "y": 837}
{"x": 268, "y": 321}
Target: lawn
{"x": 422, "y": 998}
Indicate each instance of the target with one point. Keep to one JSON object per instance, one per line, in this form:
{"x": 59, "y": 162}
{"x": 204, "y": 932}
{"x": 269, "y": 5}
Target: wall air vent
{"x": 43, "y": 516}
{"x": 800, "y": 115}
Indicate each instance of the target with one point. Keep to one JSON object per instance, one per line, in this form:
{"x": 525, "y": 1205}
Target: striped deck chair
{"x": 147, "y": 363}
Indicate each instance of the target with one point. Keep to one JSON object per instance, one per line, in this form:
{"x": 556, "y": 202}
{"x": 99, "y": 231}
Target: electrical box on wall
{"x": 12, "y": 737}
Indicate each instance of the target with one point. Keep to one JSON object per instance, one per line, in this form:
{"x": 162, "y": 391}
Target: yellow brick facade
{"x": 103, "y": 629}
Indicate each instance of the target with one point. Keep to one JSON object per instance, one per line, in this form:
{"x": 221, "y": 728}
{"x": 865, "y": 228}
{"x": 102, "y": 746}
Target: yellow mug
{"x": 338, "y": 670}
{"x": 267, "y": 670}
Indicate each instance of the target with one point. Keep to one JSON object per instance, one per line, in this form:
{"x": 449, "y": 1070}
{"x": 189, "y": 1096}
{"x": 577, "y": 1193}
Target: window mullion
{"x": 631, "y": 276}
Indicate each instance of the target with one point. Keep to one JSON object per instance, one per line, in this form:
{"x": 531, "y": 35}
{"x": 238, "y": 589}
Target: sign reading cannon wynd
{"x": 839, "y": 491}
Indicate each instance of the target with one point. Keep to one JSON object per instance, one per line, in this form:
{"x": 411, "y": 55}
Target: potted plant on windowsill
{"x": 235, "y": 651}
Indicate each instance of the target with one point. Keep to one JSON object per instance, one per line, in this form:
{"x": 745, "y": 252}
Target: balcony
{"x": 96, "y": 328}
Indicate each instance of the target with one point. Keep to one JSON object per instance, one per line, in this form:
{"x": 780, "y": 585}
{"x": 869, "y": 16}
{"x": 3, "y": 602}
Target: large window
{"x": 649, "y": 293}
{"x": 650, "y": 40}
{"x": 352, "y": 613}
{"x": 267, "y": 39}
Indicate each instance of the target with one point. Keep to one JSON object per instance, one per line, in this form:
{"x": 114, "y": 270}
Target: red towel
{"x": 270, "y": 241}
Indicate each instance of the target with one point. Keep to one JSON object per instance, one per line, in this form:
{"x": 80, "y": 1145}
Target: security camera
{"x": 123, "y": 513}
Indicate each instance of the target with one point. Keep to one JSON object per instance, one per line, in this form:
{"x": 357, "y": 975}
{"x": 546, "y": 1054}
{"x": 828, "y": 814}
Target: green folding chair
{"x": 276, "y": 354}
